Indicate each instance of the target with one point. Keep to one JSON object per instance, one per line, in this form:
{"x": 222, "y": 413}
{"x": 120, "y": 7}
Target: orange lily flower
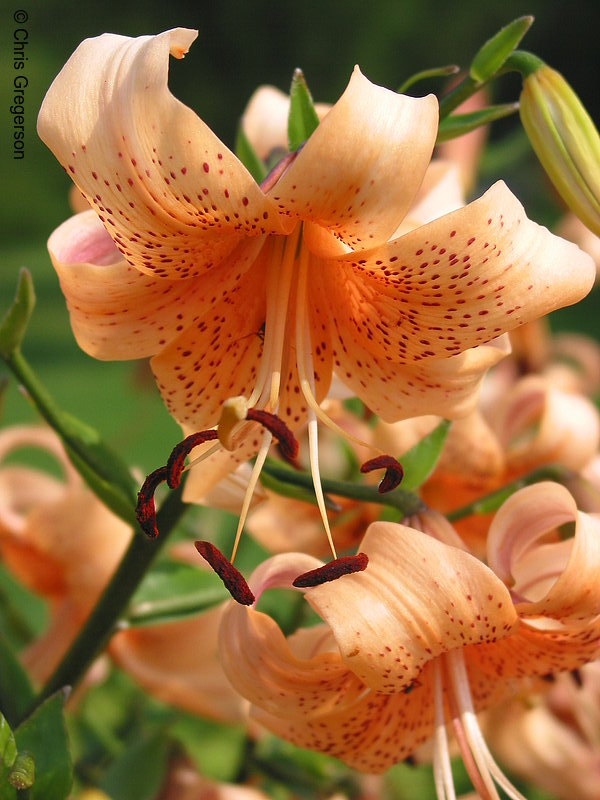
{"x": 57, "y": 538}
{"x": 426, "y": 635}
{"x": 264, "y": 291}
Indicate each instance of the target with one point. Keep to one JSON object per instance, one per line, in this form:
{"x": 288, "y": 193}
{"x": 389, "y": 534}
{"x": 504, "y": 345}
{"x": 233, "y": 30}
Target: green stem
{"x": 492, "y": 502}
{"x": 114, "y": 601}
{"x": 407, "y": 502}
{"x": 461, "y": 92}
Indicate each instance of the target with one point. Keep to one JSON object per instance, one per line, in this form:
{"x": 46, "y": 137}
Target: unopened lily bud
{"x": 565, "y": 140}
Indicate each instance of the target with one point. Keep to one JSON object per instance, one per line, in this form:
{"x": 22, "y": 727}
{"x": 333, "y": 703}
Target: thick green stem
{"x": 114, "y": 601}
{"x": 492, "y": 502}
{"x": 461, "y": 92}
{"x": 407, "y": 502}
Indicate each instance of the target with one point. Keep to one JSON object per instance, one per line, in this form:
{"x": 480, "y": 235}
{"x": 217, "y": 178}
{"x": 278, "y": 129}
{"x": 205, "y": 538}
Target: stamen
{"x": 442, "y": 769}
{"x": 145, "y": 510}
{"x": 393, "y": 472}
{"x": 180, "y": 453}
{"x": 288, "y": 444}
{"x": 234, "y": 581}
{"x": 254, "y": 476}
{"x": 345, "y": 565}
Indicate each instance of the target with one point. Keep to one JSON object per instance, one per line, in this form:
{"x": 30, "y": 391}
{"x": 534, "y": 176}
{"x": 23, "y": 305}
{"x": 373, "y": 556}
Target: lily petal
{"x": 178, "y": 663}
{"x": 372, "y": 734}
{"x": 525, "y": 519}
{"x": 173, "y": 197}
{"x": 360, "y": 170}
{"x": 260, "y": 663}
{"x": 454, "y": 283}
{"x": 417, "y": 598}
{"x": 117, "y": 312}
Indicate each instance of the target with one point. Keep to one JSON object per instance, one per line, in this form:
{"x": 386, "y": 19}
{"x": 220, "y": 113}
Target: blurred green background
{"x": 241, "y": 45}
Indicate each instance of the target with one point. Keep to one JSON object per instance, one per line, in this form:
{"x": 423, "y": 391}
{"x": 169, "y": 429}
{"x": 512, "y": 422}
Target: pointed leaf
{"x": 434, "y": 72}
{"x": 303, "y": 119}
{"x": 44, "y": 735}
{"x": 459, "y": 124}
{"x": 247, "y": 155}
{"x": 15, "y": 321}
{"x": 419, "y": 461}
{"x": 492, "y": 55}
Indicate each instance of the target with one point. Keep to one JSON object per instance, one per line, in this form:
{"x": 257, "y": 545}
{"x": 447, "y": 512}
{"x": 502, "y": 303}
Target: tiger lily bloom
{"x": 426, "y": 635}
{"x": 57, "y": 538}
{"x": 236, "y": 289}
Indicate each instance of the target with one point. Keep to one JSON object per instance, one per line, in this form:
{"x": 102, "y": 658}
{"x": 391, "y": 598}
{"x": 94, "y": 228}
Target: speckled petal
{"x": 454, "y": 283}
{"x": 172, "y": 196}
{"x": 417, "y": 598}
{"x": 360, "y": 170}
{"x": 217, "y": 357}
{"x": 260, "y": 664}
{"x": 370, "y": 735}
{"x": 448, "y": 387}
{"x": 119, "y": 313}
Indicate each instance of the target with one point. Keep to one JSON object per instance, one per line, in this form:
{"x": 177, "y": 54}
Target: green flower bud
{"x": 565, "y": 140}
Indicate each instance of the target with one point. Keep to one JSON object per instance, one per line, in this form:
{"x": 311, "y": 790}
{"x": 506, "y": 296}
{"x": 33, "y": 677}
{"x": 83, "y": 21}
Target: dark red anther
{"x": 345, "y": 565}
{"x": 287, "y": 442}
{"x": 233, "y": 579}
{"x": 393, "y": 472}
{"x": 145, "y": 510}
{"x": 181, "y": 451}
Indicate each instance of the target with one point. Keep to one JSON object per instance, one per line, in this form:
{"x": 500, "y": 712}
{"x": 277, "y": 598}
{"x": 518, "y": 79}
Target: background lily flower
{"x": 309, "y": 259}
{"x": 426, "y": 634}
{"x": 57, "y": 538}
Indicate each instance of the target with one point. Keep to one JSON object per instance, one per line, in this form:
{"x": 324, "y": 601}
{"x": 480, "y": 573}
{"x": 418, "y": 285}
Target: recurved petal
{"x": 360, "y": 170}
{"x": 260, "y": 664}
{"x": 454, "y": 283}
{"x": 447, "y": 387}
{"x": 417, "y": 598}
{"x": 116, "y": 311}
{"x": 372, "y": 734}
{"x": 562, "y": 582}
{"x": 172, "y": 196}
{"x": 539, "y": 424}
{"x": 178, "y": 662}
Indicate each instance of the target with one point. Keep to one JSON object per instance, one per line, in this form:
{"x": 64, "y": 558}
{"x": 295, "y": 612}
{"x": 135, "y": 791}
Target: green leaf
{"x": 302, "y": 119}
{"x": 434, "y": 72}
{"x": 8, "y": 755}
{"x": 16, "y": 692}
{"x": 459, "y": 124}
{"x": 492, "y": 55}
{"x": 173, "y": 591}
{"x": 247, "y": 155}
{"x": 44, "y": 735}
{"x": 419, "y": 461}
{"x": 139, "y": 772}
{"x": 16, "y": 319}
{"x": 217, "y": 750}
